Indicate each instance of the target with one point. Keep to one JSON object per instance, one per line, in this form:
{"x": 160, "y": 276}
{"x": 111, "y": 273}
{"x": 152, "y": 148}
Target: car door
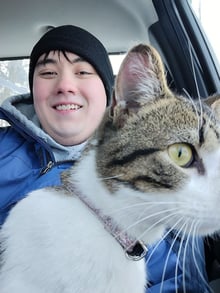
{"x": 192, "y": 66}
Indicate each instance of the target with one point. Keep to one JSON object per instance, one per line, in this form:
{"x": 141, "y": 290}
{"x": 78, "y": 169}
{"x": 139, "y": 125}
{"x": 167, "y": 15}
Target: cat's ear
{"x": 214, "y": 103}
{"x": 141, "y": 78}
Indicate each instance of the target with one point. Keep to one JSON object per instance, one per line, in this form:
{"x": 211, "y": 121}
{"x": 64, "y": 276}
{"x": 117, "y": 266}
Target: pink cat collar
{"x": 134, "y": 249}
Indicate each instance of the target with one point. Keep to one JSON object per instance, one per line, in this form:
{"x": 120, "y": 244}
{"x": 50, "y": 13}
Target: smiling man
{"x": 70, "y": 82}
{"x": 70, "y": 79}
{"x": 69, "y": 97}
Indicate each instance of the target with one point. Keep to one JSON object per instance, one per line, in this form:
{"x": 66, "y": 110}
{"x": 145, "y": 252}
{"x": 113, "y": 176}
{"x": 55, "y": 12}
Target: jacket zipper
{"x": 46, "y": 169}
{"x": 51, "y": 164}
{"x": 19, "y": 127}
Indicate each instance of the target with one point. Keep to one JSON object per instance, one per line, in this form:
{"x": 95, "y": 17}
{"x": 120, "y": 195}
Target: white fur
{"x": 55, "y": 244}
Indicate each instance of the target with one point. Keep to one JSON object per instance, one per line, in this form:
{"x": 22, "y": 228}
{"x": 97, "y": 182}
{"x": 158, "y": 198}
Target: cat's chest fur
{"x": 62, "y": 247}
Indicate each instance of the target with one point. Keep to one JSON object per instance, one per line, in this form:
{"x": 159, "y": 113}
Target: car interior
{"x": 171, "y": 26}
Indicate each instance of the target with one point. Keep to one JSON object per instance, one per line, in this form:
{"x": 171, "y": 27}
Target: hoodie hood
{"x": 21, "y": 108}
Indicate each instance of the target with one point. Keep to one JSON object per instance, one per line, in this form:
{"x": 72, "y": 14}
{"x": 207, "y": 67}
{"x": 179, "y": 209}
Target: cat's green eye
{"x": 181, "y": 154}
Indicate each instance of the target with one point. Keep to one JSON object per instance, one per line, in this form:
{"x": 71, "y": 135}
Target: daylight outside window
{"x": 208, "y": 14}
{"x": 14, "y": 77}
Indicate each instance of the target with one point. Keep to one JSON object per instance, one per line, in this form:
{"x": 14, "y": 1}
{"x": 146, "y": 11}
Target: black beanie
{"x": 76, "y": 40}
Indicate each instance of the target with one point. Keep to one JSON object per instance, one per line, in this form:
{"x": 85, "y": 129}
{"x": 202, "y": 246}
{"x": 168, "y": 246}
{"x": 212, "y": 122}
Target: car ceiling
{"x": 119, "y": 24}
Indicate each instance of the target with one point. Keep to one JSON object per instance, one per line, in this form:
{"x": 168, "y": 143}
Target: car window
{"x": 207, "y": 13}
{"x": 14, "y": 75}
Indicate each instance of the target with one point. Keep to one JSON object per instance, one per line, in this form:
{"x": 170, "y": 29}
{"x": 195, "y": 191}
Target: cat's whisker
{"x": 189, "y": 237}
{"x": 186, "y": 237}
{"x": 181, "y": 234}
{"x": 168, "y": 256}
{"x": 152, "y": 216}
{"x": 161, "y": 220}
{"x": 195, "y": 108}
{"x": 148, "y": 205}
{"x": 208, "y": 123}
{"x": 110, "y": 177}
{"x": 161, "y": 239}
{"x": 195, "y": 245}
{"x": 196, "y": 83}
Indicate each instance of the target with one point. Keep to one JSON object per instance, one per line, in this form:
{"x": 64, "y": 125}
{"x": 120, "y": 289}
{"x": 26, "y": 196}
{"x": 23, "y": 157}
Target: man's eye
{"x": 83, "y": 72}
{"x": 48, "y": 73}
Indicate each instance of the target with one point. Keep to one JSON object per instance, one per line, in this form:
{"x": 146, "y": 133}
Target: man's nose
{"x": 67, "y": 83}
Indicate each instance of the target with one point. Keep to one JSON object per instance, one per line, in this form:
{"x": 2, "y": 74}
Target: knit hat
{"x": 76, "y": 40}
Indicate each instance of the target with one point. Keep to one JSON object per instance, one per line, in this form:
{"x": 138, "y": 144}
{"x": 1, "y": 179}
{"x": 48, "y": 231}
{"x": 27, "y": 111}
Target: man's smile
{"x": 66, "y": 107}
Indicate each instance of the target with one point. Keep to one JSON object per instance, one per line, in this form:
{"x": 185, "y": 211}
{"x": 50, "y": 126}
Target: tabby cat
{"x": 154, "y": 164}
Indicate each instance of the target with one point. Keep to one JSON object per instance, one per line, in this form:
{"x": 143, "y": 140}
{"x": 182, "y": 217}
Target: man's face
{"x": 69, "y": 97}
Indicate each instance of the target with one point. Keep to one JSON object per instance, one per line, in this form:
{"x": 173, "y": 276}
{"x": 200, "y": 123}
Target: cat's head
{"x": 160, "y": 147}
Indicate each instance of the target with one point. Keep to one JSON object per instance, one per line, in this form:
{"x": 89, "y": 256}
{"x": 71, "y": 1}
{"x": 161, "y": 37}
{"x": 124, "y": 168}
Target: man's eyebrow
{"x": 78, "y": 59}
{"x": 46, "y": 61}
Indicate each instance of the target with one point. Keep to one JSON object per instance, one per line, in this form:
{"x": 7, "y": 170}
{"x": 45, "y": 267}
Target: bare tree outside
{"x": 13, "y": 79}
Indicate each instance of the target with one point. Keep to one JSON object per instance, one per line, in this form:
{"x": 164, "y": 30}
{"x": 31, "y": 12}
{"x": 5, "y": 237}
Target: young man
{"x": 71, "y": 80}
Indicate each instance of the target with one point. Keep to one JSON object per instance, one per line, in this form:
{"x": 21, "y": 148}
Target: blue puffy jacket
{"x": 24, "y": 164}
{"x": 179, "y": 265}
{"x": 27, "y": 163}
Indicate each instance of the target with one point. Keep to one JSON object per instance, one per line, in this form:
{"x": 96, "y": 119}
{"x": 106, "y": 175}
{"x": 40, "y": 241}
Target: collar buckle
{"x": 137, "y": 252}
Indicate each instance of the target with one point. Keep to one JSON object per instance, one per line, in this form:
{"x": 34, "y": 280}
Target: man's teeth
{"x": 67, "y": 107}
